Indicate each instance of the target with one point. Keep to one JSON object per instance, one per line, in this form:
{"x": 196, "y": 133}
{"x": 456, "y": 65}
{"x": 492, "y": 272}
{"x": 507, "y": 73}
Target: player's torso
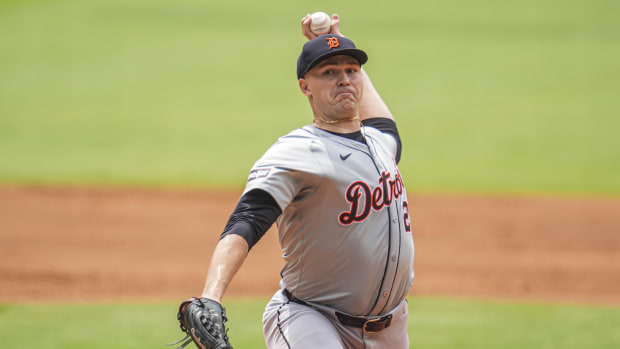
{"x": 347, "y": 238}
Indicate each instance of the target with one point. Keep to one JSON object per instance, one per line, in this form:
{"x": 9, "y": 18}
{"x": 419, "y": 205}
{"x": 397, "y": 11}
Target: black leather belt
{"x": 368, "y": 325}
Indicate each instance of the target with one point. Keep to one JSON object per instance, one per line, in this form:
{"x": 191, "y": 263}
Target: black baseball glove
{"x": 202, "y": 319}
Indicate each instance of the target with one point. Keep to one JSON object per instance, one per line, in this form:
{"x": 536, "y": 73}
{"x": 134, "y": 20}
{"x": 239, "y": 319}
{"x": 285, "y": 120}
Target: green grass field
{"x": 435, "y": 323}
{"x": 491, "y": 96}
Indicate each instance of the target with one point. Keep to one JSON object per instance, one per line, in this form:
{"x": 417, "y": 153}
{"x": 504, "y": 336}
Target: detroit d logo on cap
{"x": 332, "y": 42}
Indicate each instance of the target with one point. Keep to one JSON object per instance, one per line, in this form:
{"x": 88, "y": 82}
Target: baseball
{"x": 321, "y": 23}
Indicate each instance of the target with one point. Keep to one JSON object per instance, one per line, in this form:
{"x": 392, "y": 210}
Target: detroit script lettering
{"x": 360, "y": 193}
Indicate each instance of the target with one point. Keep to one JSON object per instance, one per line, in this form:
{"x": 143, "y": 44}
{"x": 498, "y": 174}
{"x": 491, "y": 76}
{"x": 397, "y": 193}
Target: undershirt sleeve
{"x": 255, "y": 213}
{"x": 388, "y": 126}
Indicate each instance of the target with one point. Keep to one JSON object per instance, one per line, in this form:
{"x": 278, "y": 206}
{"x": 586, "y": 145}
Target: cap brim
{"x": 358, "y": 54}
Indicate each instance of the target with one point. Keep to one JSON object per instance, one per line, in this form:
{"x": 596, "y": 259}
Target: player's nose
{"x": 344, "y": 79}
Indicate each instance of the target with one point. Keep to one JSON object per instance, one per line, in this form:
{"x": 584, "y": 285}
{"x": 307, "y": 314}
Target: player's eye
{"x": 353, "y": 69}
{"x": 328, "y": 72}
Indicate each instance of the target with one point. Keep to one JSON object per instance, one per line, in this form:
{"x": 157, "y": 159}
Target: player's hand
{"x": 305, "y": 26}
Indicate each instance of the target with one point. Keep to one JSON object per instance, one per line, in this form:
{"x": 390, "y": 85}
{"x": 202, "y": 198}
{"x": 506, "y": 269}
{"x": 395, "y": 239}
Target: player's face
{"x": 334, "y": 86}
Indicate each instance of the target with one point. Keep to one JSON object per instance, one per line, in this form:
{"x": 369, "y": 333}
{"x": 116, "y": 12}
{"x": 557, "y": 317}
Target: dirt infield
{"x": 127, "y": 244}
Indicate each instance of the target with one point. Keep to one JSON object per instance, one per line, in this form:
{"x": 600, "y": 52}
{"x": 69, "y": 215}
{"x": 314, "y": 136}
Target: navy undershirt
{"x": 257, "y": 210}
{"x": 356, "y": 136}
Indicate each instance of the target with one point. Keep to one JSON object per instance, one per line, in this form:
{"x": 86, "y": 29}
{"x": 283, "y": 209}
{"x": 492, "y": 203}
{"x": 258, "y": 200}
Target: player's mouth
{"x": 345, "y": 93}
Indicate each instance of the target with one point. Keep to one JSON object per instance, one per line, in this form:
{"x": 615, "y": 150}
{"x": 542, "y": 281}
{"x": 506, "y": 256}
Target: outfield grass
{"x": 434, "y": 324}
{"x": 490, "y": 95}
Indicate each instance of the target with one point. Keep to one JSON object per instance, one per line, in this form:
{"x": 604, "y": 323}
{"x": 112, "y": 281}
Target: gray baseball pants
{"x": 290, "y": 325}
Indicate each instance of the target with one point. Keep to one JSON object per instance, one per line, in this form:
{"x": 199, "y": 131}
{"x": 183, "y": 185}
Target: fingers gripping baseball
{"x": 307, "y": 32}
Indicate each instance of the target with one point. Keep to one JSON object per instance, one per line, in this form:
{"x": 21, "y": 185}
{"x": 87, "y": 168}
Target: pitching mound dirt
{"x": 127, "y": 244}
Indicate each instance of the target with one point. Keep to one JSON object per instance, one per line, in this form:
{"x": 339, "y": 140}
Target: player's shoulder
{"x": 297, "y": 144}
{"x": 304, "y": 138}
{"x": 302, "y": 135}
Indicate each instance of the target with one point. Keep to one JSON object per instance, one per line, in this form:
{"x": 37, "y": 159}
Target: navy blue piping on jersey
{"x": 400, "y": 242}
{"x": 389, "y": 215}
{"x": 389, "y": 225}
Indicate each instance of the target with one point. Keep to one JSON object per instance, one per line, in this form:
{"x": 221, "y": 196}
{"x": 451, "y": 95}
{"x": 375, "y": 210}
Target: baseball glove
{"x": 202, "y": 319}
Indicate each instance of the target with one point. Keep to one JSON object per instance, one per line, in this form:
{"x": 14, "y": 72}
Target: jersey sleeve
{"x": 288, "y": 169}
{"x": 388, "y": 128}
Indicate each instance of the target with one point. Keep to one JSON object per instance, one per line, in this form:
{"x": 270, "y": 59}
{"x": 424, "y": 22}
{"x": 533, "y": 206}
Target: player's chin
{"x": 346, "y": 105}
{"x": 346, "y": 101}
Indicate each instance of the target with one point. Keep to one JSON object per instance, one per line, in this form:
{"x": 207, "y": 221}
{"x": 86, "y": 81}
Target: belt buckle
{"x": 369, "y": 322}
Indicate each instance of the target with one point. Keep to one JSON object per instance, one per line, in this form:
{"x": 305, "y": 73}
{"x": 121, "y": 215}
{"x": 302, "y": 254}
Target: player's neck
{"x": 344, "y": 126}
{"x": 347, "y": 124}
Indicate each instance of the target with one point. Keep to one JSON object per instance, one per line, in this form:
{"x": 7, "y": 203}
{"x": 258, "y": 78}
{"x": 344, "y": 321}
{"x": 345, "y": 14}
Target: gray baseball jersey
{"x": 345, "y": 227}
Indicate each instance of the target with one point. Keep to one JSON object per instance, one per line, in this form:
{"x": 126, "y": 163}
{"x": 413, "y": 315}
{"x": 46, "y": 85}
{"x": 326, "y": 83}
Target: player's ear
{"x": 303, "y": 86}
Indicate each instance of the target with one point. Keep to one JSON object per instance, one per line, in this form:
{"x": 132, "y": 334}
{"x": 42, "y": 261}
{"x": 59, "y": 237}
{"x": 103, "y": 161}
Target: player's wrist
{"x": 211, "y": 296}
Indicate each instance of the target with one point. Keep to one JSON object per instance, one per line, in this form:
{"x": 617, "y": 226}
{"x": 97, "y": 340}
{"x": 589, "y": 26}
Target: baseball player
{"x": 340, "y": 204}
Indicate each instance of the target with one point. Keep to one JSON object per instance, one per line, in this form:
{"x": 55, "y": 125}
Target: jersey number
{"x": 406, "y": 218}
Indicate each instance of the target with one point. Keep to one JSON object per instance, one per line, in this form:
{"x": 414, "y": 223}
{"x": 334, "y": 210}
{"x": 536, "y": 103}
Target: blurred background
{"x": 489, "y": 95}
{"x": 128, "y": 128}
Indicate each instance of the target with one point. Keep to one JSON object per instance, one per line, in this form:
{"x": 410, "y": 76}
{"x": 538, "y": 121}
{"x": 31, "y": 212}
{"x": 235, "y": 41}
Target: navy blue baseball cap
{"x": 324, "y": 46}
